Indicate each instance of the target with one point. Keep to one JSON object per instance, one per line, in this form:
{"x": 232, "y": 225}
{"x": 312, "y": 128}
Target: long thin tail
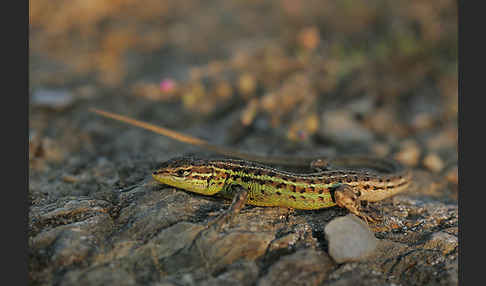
{"x": 280, "y": 160}
{"x": 382, "y": 164}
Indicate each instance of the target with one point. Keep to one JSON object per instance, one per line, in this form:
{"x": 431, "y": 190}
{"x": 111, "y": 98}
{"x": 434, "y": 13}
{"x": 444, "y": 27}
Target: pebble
{"x": 340, "y": 126}
{"x": 349, "y": 239}
{"x": 409, "y": 153}
{"x": 380, "y": 149}
{"x": 309, "y": 38}
{"x": 442, "y": 241}
{"x": 381, "y": 121}
{"x": 247, "y": 84}
{"x": 452, "y": 175}
{"x": 57, "y": 99}
{"x": 362, "y": 105}
{"x": 443, "y": 140}
{"x": 304, "y": 267}
{"x": 433, "y": 162}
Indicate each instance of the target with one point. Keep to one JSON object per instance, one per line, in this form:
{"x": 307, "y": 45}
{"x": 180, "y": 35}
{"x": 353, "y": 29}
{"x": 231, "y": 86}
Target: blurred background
{"x": 379, "y": 75}
{"x": 309, "y": 77}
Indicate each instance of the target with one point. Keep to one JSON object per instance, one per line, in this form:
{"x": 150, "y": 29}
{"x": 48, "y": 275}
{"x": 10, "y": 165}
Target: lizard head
{"x": 187, "y": 173}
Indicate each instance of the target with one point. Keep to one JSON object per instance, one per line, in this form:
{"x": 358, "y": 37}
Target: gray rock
{"x": 57, "y": 99}
{"x": 349, "y": 239}
{"x": 305, "y": 267}
{"x": 442, "y": 241}
{"x": 340, "y": 126}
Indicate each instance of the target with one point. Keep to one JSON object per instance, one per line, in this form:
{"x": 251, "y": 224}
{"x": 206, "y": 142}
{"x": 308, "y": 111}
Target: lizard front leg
{"x": 347, "y": 197}
{"x": 239, "y": 201}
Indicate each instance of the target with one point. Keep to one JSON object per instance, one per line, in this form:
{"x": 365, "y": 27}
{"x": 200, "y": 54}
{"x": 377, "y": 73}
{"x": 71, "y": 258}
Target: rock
{"x": 247, "y": 84}
{"x": 442, "y": 140}
{"x": 56, "y": 99}
{"x": 101, "y": 275}
{"x": 452, "y": 175}
{"x": 243, "y": 273}
{"x": 305, "y": 267}
{"x": 380, "y": 149}
{"x": 409, "y": 153}
{"x": 433, "y": 162}
{"x": 212, "y": 251}
{"x": 340, "y": 126}
{"x": 349, "y": 239}
{"x": 442, "y": 241}
{"x": 287, "y": 241}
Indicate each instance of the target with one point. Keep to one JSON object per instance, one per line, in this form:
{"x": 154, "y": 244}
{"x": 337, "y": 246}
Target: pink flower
{"x": 167, "y": 85}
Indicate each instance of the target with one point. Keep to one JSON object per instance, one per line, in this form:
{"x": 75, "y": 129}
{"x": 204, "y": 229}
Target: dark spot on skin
{"x": 349, "y": 180}
{"x": 401, "y": 184}
{"x": 387, "y": 180}
{"x": 321, "y": 191}
{"x": 281, "y": 186}
{"x": 380, "y": 180}
{"x": 311, "y": 189}
{"x": 321, "y": 198}
{"x": 293, "y": 198}
{"x": 302, "y": 191}
{"x": 302, "y": 197}
{"x": 278, "y": 193}
{"x": 332, "y": 192}
{"x": 263, "y": 192}
{"x": 366, "y": 187}
{"x": 293, "y": 189}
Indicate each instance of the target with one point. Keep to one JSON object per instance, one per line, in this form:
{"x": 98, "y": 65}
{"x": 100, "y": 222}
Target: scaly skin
{"x": 354, "y": 180}
{"x": 272, "y": 187}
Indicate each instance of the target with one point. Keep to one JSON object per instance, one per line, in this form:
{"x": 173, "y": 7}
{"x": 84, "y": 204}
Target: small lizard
{"x": 350, "y": 181}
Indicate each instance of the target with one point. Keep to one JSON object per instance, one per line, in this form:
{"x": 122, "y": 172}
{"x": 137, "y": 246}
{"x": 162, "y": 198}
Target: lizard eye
{"x": 183, "y": 173}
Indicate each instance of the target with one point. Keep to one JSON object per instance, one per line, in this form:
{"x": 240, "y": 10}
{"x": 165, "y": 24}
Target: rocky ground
{"x": 298, "y": 80}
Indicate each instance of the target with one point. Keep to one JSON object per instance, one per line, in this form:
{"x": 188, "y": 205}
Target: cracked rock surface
{"x": 100, "y": 219}
{"x": 268, "y": 77}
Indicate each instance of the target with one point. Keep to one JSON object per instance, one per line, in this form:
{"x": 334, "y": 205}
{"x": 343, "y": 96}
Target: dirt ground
{"x": 313, "y": 78}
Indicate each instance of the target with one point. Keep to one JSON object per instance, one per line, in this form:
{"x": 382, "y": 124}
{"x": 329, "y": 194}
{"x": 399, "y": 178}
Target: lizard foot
{"x": 347, "y": 197}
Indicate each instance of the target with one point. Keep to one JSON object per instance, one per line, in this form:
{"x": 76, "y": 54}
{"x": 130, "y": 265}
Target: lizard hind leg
{"x": 347, "y": 197}
{"x": 319, "y": 165}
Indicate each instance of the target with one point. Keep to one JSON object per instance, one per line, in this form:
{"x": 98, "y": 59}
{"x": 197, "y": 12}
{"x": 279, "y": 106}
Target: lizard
{"x": 251, "y": 180}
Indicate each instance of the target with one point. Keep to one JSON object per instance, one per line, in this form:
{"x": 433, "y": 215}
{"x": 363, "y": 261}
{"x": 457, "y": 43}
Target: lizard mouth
{"x": 195, "y": 186}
